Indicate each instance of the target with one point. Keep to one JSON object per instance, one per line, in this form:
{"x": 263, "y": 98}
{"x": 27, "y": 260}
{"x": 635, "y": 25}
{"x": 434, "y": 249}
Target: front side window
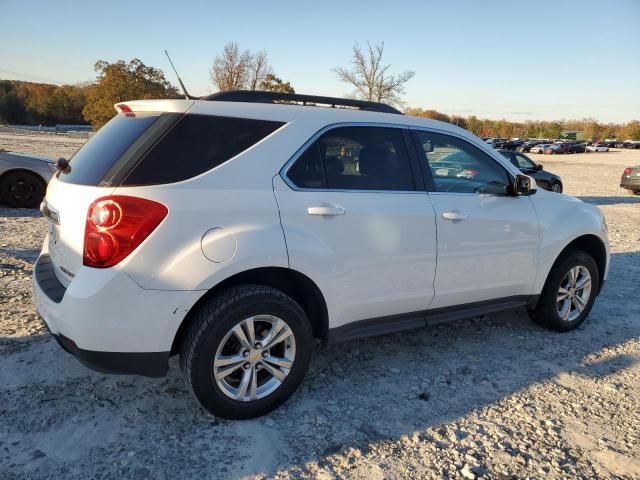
{"x": 522, "y": 161}
{"x": 355, "y": 158}
{"x": 456, "y": 166}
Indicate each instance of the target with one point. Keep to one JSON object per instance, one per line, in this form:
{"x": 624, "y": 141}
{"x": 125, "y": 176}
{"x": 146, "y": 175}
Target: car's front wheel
{"x": 569, "y": 293}
{"x": 246, "y": 351}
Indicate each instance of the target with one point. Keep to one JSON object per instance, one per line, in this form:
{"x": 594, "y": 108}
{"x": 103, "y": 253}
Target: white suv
{"x": 235, "y": 229}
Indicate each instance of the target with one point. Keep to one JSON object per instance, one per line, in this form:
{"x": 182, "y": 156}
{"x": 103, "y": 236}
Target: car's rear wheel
{"x": 246, "y": 351}
{"x": 22, "y": 189}
{"x": 569, "y": 293}
{"x": 556, "y": 187}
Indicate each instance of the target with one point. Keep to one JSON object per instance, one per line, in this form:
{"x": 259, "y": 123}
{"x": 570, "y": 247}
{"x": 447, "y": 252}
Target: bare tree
{"x": 231, "y": 70}
{"x": 259, "y": 69}
{"x": 371, "y": 79}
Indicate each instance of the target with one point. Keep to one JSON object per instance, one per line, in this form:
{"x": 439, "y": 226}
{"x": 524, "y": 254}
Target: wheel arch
{"x": 594, "y": 246}
{"x": 24, "y": 170}
{"x": 291, "y": 282}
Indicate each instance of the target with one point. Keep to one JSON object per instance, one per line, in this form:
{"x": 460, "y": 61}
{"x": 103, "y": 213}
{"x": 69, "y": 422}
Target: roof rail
{"x": 257, "y": 96}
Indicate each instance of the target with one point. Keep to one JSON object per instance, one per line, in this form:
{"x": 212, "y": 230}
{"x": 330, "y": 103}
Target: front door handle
{"x": 326, "y": 210}
{"x": 454, "y": 216}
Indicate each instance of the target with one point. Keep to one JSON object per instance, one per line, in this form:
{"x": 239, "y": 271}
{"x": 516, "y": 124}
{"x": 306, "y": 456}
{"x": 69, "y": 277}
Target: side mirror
{"x": 523, "y": 185}
{"x": 62, "y": 164}
{"x": 538, "y": 167}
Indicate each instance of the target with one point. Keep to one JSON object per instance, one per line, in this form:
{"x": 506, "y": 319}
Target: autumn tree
{"x": 121, "y": 81}
{"x": 230, "y": 70}
{"x": 271, "y": 83}
{"x": 372, "y": 80}
{"x": 259, "y": 70}
{"x": 432, "y": 114}
{"x": 234, "y": 69}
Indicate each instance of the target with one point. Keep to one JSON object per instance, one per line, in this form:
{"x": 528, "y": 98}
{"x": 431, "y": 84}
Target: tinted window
{"x": 308, "y": 170}
{"x": 195, "y": 144}
{"x": 457, "y": 166}
{"x": 101, "y": 152}
{"x": 355, "y": 158}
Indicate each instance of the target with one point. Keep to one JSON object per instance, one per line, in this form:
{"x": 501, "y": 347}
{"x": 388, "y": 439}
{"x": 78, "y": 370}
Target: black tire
{"x": 214, "y": 320}
{"x": 22, "y": 189}
{"x": 557, "y": 186}
{"x": 546, "y": 313}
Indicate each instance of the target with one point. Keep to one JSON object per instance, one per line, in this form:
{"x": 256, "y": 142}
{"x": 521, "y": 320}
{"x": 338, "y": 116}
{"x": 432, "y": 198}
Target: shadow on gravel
{"x": 611, "y": 200}
{"x": 66, "y": 420}
{"x": 26, "y": 254}
{"x": 9, "y": 212}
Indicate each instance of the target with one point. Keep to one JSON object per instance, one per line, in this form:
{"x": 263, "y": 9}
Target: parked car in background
{"x": 24, "y": 178}
{"x": 631, "y": 179}
{"x": 539, "y": 148}
{"x": 632, "y": 144}
{"x": 555, "y": 149}
{"x": 496, "y": 142}
{"x": 528, "y": 145}
{"x": 512, "y": 144}
{"x": 597, "y": 148}
{"x": 249, "y": 227}
{"x": 544, "y": 179}
{"x": 577, "y": 147}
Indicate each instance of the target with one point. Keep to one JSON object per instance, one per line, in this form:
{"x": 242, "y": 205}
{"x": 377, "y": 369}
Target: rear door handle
{"x": 326, "y": 210}
{"x": 454, "y": 216}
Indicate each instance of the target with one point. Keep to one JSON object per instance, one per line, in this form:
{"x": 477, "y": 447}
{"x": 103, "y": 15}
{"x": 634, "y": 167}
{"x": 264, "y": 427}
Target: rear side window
{"x": 355, "y": 158}
{"x": 89, "y": 165}
{"x": 195, "y": 144}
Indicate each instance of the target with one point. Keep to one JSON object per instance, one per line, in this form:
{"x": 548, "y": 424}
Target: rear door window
{"x": 355, "y": 158}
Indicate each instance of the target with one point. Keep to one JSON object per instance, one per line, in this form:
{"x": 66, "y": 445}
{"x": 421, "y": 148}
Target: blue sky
{"x": 518, "y": 60}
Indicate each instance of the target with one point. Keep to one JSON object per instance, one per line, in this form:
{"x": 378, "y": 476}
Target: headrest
{"x": 375, "y": 161}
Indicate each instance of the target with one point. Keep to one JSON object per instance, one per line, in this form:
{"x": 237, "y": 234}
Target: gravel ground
{"x": 493, "y": 397}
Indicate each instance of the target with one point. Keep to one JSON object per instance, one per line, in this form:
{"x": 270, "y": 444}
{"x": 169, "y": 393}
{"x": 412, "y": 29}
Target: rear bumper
{"x": 632, "y": 183}
{"x": 153, "y": 364}
{"x": 107, "y": 321}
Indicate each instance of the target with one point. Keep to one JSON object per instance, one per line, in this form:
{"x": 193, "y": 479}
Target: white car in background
{"x": 23, "y": 178}
{"x": 234, "y": 229}
{"x": 597, "y": 148}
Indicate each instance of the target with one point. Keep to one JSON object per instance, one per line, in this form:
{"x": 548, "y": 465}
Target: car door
{"x": 357, "y": 224}
{"x": 487, "y": 240}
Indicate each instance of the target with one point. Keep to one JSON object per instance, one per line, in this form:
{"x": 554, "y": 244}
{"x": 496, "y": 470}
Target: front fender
{"x": 563, "y": 219}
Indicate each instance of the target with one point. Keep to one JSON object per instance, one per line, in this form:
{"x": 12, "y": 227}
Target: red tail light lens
{"x": 116, "y": 225}
{"x": 627, "y": 171}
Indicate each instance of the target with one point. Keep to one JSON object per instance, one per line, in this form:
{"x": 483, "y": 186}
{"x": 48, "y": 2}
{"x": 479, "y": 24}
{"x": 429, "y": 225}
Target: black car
{"x": 577, "y": 147}
{"x": 544, "y": 179}
{"x": 528, "y": 145}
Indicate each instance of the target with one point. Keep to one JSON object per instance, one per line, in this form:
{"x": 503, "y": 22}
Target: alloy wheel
{"x": 574, "y": 293}
{"x": 254, "y": 358}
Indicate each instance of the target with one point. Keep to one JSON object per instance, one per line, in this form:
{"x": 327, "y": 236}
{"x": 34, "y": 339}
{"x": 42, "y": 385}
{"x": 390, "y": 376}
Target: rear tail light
{"x": 116, "y": 225}
{"x": 627, "y": 171}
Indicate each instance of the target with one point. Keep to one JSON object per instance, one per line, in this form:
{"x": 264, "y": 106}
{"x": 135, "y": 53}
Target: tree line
{"x": 590, "y": 128}
{"x": 237, "y": 69}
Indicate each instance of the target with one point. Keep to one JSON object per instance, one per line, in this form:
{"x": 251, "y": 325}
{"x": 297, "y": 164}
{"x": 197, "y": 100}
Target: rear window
{"x": 151, "y": 149}
{"x": 195, "y": 144}
{"x": 98, "y": 155}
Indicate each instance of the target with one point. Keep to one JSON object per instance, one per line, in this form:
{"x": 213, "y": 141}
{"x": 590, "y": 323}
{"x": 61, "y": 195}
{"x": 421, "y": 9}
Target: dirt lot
{"x": 493, "y": 397}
